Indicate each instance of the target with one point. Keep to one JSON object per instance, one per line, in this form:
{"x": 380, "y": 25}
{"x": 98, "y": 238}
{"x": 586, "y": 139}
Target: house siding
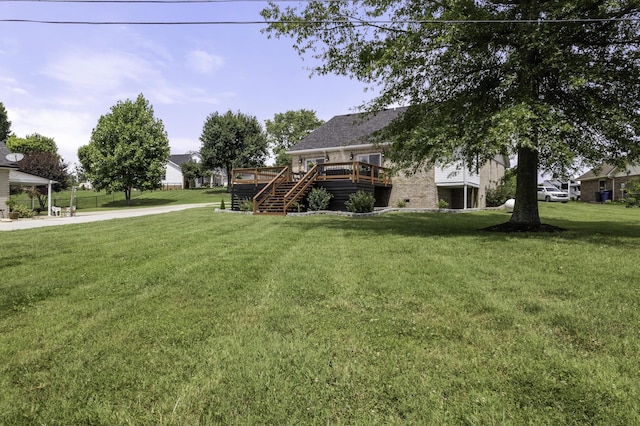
{"x": 173, "y": 177}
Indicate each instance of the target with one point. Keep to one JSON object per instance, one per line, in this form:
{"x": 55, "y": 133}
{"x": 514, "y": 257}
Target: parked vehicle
{"x": 551, "y": 193}
{"x": 572, "y": 187}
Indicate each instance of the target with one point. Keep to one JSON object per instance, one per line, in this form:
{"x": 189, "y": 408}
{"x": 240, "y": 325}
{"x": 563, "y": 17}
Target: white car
{"x": 550, "y": 193}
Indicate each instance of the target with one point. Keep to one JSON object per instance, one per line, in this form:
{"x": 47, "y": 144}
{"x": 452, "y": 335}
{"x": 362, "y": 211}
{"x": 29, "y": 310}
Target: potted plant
{"x": 11, "y": 203}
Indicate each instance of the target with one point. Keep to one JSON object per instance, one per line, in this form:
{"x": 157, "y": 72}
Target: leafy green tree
{"x": 32, "y": 143}
{"x": 41, "y": 158}
{"x": 192, "y": 170}
{"x": 5, "y": 124}
{"x": 553, "y": 83}
{"x": 232, "y": 141}
{"x": 287, "y": 129}
{"x": 128, "y": 150}
{"x": 47, "y": 165}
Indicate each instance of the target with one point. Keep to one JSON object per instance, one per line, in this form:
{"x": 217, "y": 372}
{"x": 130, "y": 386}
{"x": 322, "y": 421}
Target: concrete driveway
{"x": 85, "y": 217}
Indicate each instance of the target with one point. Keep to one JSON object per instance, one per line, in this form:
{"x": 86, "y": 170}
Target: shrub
{"x": 360, "y": 202}
{"x": 505, "y": 189}
{"x": 23, "y": 211}
{"x": 319, "y": 199}
{"x": 246, "y": 205}
{"x": 222, "y": 206}
{"x": 402, "y": 204}
{"x": 442, "y": 204}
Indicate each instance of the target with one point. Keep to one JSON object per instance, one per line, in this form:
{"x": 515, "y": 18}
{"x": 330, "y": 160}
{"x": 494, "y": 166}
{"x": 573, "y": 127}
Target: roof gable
{"x": 347, "y": 130}
{"x": 603, "y": 171}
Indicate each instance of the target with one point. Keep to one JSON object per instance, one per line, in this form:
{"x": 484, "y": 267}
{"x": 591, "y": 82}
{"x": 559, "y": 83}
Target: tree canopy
{"x": 128, "y": 150}
{"x": 192, "y": 170}
{"x": 232, "y": 140}
{"x": 5, "y": 124}
{"x": 287, "y": 129}
{"x": 553, "y": 83}
{"x": 31, "y": 144}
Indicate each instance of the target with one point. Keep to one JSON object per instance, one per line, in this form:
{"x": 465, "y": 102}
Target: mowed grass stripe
{"x": 202, "y": 318}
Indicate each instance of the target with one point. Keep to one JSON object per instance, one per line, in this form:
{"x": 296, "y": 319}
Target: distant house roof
{"x": 4, "y": 162}
{"x": 178, "y": 159}
{"x": 605, "y": 170}
{"x": 347, "y": 130}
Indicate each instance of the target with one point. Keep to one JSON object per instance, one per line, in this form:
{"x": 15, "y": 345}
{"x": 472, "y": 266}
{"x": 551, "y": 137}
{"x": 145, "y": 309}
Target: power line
{"x": 331, "y": 22}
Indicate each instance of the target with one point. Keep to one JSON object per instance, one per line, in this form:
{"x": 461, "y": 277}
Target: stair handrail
{"x": 271, "y": 186}
{"x": 303, "y": 184}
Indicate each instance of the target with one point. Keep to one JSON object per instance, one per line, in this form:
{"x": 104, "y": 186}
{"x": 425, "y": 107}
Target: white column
{"x": 49, "y": 198}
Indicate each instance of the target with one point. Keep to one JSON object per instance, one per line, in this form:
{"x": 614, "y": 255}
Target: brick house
{"x": 606, "y": 178}
{"x": 344, "y": 138}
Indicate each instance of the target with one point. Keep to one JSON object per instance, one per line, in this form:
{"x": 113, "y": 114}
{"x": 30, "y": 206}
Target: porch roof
{"x": 21, "y": 178}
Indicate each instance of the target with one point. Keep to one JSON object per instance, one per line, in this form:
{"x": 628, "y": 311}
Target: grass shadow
{"x": 432, "y": 224}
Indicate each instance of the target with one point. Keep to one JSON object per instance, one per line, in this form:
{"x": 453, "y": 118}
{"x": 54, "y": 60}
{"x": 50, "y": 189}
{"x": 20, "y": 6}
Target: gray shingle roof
{"x": 3, "y": 157}
{"x": 346, "y": 130}
{"x": 180, "y": 158}
{"x": 599, "y": 172}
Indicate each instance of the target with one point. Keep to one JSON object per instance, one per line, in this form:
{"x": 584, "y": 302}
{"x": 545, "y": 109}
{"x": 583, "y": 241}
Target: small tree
{"x": 505, "y": 189}
{"x": 191, "y": 170}
{"x": 232, "y": 140}
{"x": 49, "y": 166}
{"x": 129, "y": 149}
{"x": 632, "y": 190}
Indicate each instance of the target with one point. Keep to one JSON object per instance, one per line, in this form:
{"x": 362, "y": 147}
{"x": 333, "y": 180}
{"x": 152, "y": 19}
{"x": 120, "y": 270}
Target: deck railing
{"x": 257, "y": 175}
{"x": 356, "y": 171}
{"x": 301, "y": 187}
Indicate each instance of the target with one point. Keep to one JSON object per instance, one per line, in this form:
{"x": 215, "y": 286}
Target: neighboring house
{"x": 606, "y": 182}
{"x": 174, "y": 179}
{"x": 10, "y": 174}
{"x": 344, "y": 138}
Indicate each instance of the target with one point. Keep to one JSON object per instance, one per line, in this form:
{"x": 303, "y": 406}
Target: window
{"x": 370, "y": 158}
{"x": 602, "y": 185}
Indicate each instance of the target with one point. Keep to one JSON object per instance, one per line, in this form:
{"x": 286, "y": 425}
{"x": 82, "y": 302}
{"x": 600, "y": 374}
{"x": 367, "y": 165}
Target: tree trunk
{"x": 525, "y": 212}
{"x": 229, "y": 171}
{"x": 127, "y": 196}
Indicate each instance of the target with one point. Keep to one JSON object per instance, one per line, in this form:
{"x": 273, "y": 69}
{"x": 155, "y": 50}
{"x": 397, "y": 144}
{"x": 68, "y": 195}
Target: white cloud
{"x": 100, "y": 72}
{"x": 70, "y": 129}
{"x": 203, "y": 62}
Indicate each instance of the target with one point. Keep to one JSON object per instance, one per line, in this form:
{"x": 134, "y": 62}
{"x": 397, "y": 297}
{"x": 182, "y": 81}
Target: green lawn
{"x": 94, "y": 200}
{"x": 202, "y": 318}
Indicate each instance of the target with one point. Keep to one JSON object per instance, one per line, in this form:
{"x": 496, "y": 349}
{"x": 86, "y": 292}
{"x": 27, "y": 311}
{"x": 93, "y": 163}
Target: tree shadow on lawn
{"x": 431, "y": 225}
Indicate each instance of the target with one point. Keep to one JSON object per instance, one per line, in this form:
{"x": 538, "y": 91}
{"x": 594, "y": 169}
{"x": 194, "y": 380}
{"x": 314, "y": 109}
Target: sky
{"x": 57, "y": 80}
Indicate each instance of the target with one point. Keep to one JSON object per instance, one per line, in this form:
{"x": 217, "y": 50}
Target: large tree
{"x": 554, "y": 83}
{"x": 287, "y": 129}
{"x": 128, "y": 150}
{"x": 5, "y": 124}
{"x": 232, "y": 140}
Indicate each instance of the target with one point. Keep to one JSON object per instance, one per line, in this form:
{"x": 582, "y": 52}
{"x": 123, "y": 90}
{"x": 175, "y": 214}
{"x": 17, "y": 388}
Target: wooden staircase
{"x": 281, "y": 195}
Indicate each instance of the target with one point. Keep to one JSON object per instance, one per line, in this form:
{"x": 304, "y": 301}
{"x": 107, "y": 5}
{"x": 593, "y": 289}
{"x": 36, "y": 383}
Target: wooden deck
{"x": 275, "y": 190}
